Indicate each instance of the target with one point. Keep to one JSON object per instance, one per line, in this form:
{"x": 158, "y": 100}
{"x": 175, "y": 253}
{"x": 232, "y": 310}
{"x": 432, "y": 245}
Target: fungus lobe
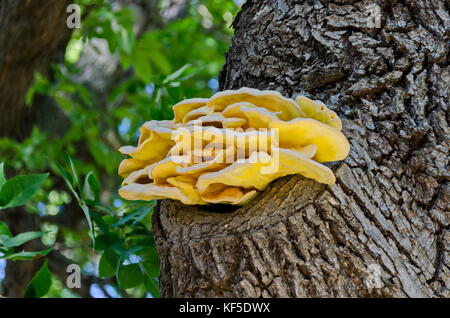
{"x": 228, "y": 148}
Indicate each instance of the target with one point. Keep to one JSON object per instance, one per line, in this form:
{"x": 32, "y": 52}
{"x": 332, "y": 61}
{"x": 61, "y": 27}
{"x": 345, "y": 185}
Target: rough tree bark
{"x": 383, "y": 229}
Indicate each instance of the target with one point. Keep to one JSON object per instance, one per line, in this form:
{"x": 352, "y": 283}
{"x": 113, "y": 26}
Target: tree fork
{"x": 383, "y": 229}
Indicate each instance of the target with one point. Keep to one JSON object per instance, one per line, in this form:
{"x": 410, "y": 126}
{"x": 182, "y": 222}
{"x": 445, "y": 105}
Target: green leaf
{"x": 2, "y": 175}
{"x": 98, "y": 219}
{"x": 18, "y": 190}
{"x": 5, "y": 233}
{"x": 91, "y": 189}
{"x": 87, "y": 214}
{"x": 104, "y": 209}
{"x": 125, "y": 40}
{"x": 64, "y": 103}
{"x": 29, "y": 96}
{"x": 22, "y": 238}
{"x": 138, "y": 215}
{"x": 176, "y": 74}
{"x": 151, "y": 261}
{"x": 76, "y": 180}
{"x": 129, "y": 276}
{"x": 40, "y": 284}
{"x": 161, "y": 62}
{"x": 109, "y": 261}
{"x": 101, "y": 242}
{"x": 27, "y": 256}
{"x": 66, "y": 176}
{"x": 142, "y": 67}
{"x": 109, "y": 219}
{"x": 40, "y": 85}
{"x": 104, "y": 155}
{"x": 148, "y": 42}
{"x": 150, "y": 283}
{"x": 73, "y": 180}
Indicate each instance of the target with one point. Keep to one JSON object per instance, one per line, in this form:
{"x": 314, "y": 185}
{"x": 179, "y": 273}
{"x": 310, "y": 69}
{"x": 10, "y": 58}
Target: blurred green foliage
{"x": 158, "y": 66}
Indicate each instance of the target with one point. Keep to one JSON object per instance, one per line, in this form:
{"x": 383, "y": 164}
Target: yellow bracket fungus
{"x": 230, "y": 147}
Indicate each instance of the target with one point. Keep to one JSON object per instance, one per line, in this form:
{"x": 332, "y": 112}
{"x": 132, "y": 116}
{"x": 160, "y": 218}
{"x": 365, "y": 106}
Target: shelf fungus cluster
{"x": 228, "y": 148}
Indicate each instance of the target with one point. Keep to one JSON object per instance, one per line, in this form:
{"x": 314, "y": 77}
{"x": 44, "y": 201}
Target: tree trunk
{"x": 383, "y": 229}
{"x": 33, "y": 35}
